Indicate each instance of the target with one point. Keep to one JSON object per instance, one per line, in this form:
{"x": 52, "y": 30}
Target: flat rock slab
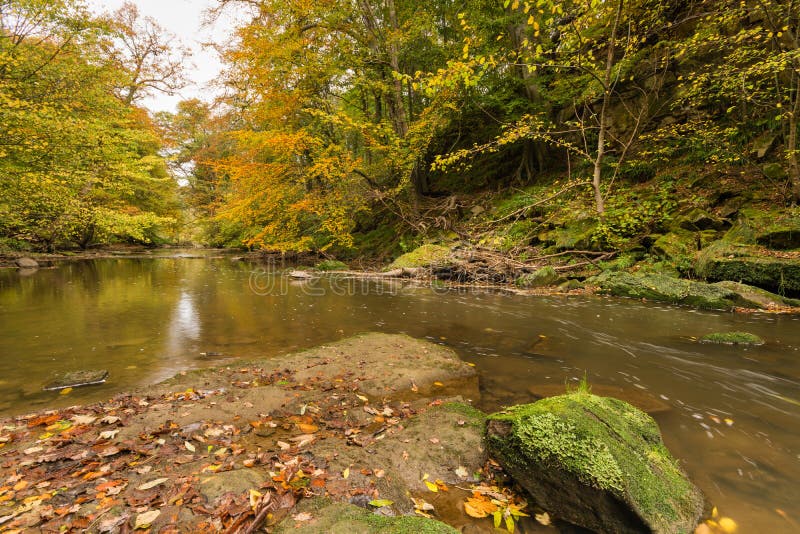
{"x": 77, "y": 379}
{"x": 642, "y": 400}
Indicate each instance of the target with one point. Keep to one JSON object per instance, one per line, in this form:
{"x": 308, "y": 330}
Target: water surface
{"x": 146, "y": 319}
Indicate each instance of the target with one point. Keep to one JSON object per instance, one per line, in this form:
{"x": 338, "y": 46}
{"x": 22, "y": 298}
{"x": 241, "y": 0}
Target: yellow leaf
{"x": 431, "y": 486}
{"x": 472, "y": 511}
{"x": 727, "y": 525}
{"x": 66, "y": 391}
{"x": 346, "y": 473}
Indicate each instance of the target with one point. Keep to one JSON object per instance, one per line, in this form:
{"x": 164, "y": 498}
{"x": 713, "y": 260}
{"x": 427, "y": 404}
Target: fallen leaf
{"x": 152, "y": 484}
{"x": 307, "y": 429}
{"x": 462, "y": 472}
{"x": 283, "y": 445}
{"x": 84, "y": 419}
{"x": 431, "y": 486}
{"x": 362, "y": 398}
{"x": 380, "y": 503}
{"x": 543, "y": 518}
{"x": 146, "y": 519}
{"x": 302, "y": 516}
{"x": 379, "y": 473}
{"x": 439, "y": 384}
{"x": 189, "y": 446}
{"x": 346, "y": 473}
{"x": 303, "y": 439}
{"x": 108, "y": 434}
{"x": 110, "y": 419}
{"x": 435, "y": 441}
{"x": 65, "y": 391}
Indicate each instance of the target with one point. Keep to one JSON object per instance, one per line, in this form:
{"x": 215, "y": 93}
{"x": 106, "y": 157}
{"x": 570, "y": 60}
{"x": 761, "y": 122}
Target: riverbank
{"x": 380, "y": 421}
{"x": 375, "y": 433}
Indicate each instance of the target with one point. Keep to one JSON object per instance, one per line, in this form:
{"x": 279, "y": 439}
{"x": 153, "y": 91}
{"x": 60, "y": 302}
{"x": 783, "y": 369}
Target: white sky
{"x": 184, "y": 18}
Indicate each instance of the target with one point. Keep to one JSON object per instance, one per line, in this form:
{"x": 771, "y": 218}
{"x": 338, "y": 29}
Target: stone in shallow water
{"x": 642, "y": 400}
{"x": 76, "y": 379}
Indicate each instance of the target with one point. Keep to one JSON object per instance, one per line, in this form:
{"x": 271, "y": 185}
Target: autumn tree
{"x": 77, "y": 165}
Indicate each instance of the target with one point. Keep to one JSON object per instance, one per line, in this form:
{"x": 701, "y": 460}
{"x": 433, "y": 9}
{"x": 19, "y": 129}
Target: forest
{"x": 363, "y": 129}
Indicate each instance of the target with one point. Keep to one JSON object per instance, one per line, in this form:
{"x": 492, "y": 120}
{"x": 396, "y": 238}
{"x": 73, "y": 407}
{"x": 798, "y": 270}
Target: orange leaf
{"x": 307, "y": 428}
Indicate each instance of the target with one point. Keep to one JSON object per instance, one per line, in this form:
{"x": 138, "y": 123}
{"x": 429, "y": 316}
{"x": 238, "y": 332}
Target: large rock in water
{"x": 597, "y": 462}
{"x": 750, "y": 265}
{"x": 26, "y": 263}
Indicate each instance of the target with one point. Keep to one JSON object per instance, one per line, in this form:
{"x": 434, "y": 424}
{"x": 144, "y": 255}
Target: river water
{"x": 734, "y": 413}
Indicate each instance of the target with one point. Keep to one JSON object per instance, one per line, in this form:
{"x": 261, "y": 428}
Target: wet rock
{"x": 641, "y": 399}
{"x": 26, "y": 263}
{"x": 324, "y": 515}
{"x": 677, "y": 246}
{"x": 663, "y": 288}
{"x": 733, "y": 338}
{"x": 301, "y": 275}
{"x": 597, "y": 462}
{"x": 755, "y": 297}
{"x": 546, "y": 276}
{"x": 77, "y": 379}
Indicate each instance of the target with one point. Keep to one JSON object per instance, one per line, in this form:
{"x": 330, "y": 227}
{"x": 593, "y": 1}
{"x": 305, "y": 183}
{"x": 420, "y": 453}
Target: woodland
{"x": 362, "y": 129}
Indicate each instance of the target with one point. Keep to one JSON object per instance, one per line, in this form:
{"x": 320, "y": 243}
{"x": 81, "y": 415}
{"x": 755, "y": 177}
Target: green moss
{"x": 663, "y": 288}
{"x": 424, "y": 256}
{"x": 546, "y": 276}
{"x": 603, "y": 442}
{"x": 339, "y": 518}
{"x": 732, "y": 338}
{"x": 331, "y": 265}
{"x": 472, "y": 415}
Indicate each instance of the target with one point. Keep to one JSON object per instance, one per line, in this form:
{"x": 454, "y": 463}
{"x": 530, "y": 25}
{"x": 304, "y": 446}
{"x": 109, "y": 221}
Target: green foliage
{"x": 78, "y": 166}
{"x": 628, "y": 215}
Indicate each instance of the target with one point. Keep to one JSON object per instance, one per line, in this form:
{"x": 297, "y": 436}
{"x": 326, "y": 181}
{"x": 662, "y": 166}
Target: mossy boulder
{"x": 733, "y": 338}
{"x": 677, "y": 247}
{"x": 775, "y": 229}
{"x": 546, "y": 276}
{"x": 331, "y": 265}
{"x": 755, "y": 297}
{"x": 750, "y": 265}
{"x": 424, "y": 256}
{"x": 324, "y": 515}
{"x": 575, "y": 235}
{"x": 597, "y": 462}
{"x": 663, "y": 288}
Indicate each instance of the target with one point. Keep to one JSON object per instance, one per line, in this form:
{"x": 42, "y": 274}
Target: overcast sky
{"x": 184, "y": 18}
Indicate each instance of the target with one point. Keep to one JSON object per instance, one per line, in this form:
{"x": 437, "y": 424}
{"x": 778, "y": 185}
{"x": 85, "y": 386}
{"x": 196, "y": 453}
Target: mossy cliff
{"x": 597, "y": 462}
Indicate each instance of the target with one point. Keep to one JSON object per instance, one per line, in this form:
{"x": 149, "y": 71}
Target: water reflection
{"x": 144, "y": 319}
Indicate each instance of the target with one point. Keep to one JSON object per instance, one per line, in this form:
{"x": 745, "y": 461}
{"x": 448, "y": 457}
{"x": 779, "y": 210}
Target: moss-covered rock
{"x": 331, "y": 265}
{"x": 663, "y": 288}
{"x": 677, "y": 247}
{"x": 776, "y": 229}
{"x": 338, "y": 518}
{"x": 575, "y": 235}
{"x": 597, "y": 462}
{"x": 424, "y": 256}
{"x": 546, "y": 276}
{"x": 749, "y": 265}
{"x": 732, "y": 338}
{"x": 755, "y": 297}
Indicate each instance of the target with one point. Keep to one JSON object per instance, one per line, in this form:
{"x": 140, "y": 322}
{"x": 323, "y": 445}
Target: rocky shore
{"x": 374, "y": 433}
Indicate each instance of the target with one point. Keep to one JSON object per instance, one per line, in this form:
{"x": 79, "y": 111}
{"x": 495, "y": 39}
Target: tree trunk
{"x": 603, "y": 126}
{"x": 791, "y": 148}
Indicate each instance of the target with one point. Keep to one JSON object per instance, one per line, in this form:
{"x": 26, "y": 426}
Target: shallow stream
{"x": 733, "y": 416}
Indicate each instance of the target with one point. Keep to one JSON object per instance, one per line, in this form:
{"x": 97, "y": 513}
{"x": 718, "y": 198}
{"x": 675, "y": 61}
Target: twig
{"x": 548, "y": 199}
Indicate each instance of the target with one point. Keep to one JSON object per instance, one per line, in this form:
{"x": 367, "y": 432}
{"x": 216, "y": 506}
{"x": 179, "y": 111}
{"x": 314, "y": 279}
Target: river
{"x": 734, "y": 417}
